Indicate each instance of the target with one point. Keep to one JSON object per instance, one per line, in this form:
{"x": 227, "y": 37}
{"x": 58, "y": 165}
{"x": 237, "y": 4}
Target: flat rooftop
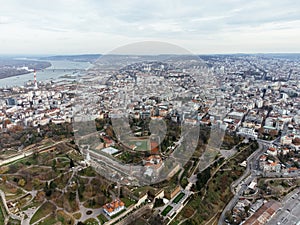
{"x": 110, "y": 150}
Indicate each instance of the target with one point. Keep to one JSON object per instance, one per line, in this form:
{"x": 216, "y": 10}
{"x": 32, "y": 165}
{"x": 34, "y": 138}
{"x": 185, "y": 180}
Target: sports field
{"x": 141, "y": 144}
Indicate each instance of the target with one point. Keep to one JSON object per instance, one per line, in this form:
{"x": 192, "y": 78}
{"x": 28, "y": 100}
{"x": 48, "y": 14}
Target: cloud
{"x": 66, "y": 25}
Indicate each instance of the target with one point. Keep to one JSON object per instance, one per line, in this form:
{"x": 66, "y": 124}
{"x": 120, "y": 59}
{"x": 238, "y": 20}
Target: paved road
{"x": 238, "y": 187}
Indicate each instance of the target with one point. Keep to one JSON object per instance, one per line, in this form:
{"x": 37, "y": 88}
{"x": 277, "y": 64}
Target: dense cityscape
{"x": 209, "y": 139}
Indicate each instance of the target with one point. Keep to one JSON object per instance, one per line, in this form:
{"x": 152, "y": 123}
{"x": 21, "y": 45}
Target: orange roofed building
{"x": 114, "y": 207}
{"x": 153, "y": 161}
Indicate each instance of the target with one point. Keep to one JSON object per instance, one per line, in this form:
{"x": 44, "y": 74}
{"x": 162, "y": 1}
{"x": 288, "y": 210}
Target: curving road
{"x": 247, "y": 177}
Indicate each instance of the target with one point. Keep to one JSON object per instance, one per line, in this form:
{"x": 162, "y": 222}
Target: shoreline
{"x": 21, "y": 74}
{"x": 25, "y": 72}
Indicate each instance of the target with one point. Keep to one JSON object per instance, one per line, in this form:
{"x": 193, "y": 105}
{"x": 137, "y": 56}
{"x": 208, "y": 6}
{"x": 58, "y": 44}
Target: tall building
{"x": 35, "y": 82}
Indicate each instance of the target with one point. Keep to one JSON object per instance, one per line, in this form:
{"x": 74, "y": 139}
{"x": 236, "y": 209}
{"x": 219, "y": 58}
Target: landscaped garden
{"x": 178, "y": 197}
{"x": 166, "y": 210}
{"x": 57, "y": 186}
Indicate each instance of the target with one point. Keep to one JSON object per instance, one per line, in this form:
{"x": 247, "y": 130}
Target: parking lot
{"x": 290, "y": 213}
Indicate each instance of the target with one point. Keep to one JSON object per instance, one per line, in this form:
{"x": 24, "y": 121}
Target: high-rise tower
{"x": 35, "y": 83}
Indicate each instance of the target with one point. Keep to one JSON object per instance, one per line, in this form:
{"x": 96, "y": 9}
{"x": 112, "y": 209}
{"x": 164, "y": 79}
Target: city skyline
{"x": 69, "y": 27}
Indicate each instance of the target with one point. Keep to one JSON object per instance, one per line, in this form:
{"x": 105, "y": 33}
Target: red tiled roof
{"x": 272, "y": 149}
{"x": 110, "y": 207}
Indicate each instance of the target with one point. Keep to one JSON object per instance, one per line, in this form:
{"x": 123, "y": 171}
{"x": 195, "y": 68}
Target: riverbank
{"x": 16, "y": 67}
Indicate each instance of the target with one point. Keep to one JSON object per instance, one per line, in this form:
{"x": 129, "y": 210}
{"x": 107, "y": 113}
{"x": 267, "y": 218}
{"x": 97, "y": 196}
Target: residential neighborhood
{"x": 141, "y": 125}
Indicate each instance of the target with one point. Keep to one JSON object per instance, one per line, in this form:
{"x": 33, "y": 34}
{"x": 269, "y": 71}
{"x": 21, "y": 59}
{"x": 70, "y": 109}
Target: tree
{"x": 158, "y": 202}
{"x": 273, "y": 133}
{"x": 53, "y": 185}
{"x": 203, "y": 177}
{"x": 4, "y": 179}
{"x": 72, "y": 163}
{"x": 36, "y": 182}
{"x": 296, "y": 164}
{"x": 35, "y": 155}
{"x": 247, "y": 208}
{"x": 228, "y": 216}
{"x": 54, "y": 165}
{"x": 260, "y": 131}
{"x": 72, "y": 196}
{"x": 21, "y": 182}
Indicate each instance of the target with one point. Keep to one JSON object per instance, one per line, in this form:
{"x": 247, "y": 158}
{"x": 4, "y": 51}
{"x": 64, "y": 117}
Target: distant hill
{"x": 76, "y": 58}
{"x": 291, "y": 56}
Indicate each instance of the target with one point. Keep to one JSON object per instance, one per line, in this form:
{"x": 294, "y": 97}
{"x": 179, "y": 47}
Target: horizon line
{"x": 91, "y": 54}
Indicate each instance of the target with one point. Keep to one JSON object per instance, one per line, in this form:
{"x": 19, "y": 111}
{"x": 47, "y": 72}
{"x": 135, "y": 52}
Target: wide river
{"x": 54, "y": 72}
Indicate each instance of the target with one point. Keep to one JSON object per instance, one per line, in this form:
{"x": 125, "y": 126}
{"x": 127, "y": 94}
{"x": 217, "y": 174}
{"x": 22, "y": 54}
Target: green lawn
{"x": 166, "y": 210}
{"x": 102, "y": 218}
{"x": 127, "y": 202}
{"x": 43, "y": 211}
{"x": 178, "y": 197}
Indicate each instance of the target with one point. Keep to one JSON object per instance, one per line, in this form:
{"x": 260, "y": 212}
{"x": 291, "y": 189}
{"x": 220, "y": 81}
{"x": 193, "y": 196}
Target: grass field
{"x": 141, "y": 145}
{"x": 166, "y": 210}
{"x": 178, "y": 197}
{"x": 43, "y": 211}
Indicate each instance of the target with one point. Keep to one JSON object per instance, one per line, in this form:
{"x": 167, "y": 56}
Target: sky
{"x": 100, "y": 26}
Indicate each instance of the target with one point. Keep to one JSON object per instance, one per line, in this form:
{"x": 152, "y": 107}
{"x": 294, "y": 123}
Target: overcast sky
{"x": 99, "y": 26}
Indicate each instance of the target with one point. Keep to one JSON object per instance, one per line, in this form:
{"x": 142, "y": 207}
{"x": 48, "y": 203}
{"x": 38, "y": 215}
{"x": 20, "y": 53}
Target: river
{"x": 54, "y": 72}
